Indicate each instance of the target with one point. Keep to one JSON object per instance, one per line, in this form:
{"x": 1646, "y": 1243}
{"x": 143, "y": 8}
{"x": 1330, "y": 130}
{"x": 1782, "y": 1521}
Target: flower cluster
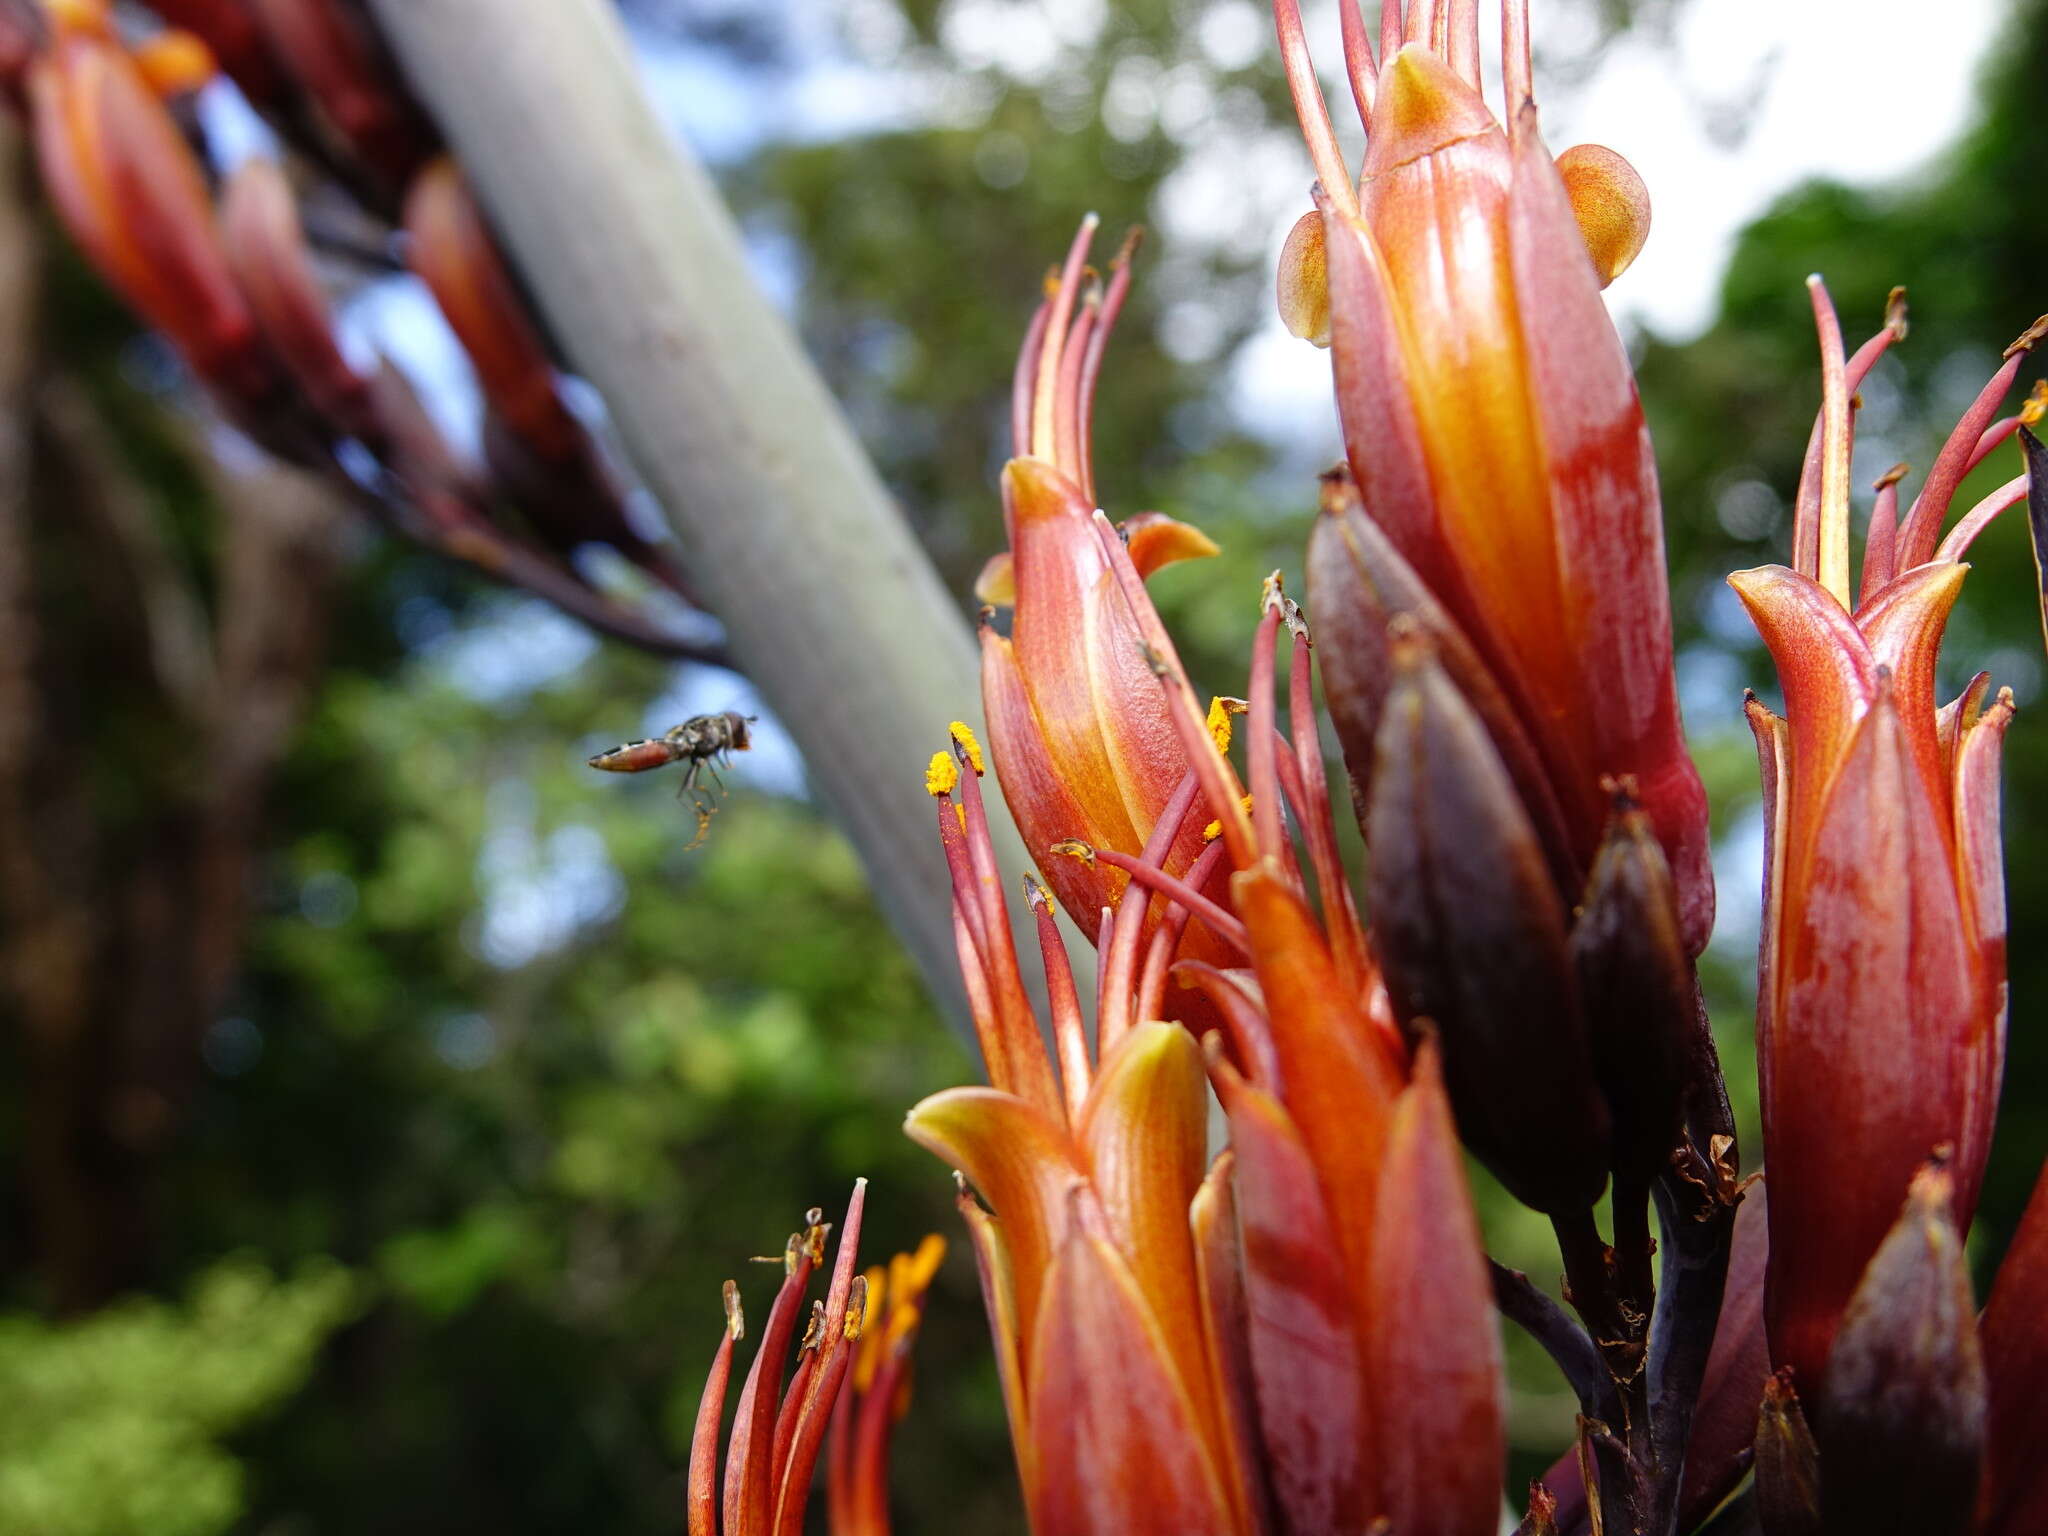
{"x": 231, "y": 281}
{"x": 1296, "y": 1333}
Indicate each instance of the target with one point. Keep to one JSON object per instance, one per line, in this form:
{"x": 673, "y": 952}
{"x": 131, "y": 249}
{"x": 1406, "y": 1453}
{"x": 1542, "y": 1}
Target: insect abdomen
{"x": 635, "y": 757}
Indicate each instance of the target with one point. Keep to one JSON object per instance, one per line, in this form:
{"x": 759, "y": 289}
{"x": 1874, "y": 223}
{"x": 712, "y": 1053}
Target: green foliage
{"x": 113, "y": 1425}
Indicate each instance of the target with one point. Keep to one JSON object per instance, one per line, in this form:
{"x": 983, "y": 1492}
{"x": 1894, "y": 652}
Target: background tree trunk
{"x": 834, "y": 610}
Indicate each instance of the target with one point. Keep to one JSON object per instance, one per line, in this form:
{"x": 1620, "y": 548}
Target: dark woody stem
{"x": 1536, "y": 1314}
{"x": 1591, "y": 1282}
{"x": 1696, "y": 1203}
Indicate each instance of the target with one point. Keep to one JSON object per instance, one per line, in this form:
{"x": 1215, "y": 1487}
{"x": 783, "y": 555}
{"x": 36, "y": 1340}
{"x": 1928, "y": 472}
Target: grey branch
{"x": 832, "y": 608}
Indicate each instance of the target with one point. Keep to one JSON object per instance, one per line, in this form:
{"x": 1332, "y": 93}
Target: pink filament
{"x": 1979, "y": 517}
{"x": 1930, "y": 507}
{"x": 1309, "y": 106}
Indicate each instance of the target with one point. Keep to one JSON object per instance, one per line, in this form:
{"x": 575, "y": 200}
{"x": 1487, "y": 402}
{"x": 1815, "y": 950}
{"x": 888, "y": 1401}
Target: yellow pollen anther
{"x": 1041, "y": 901}
{"x": 942, "y": 777}
{"x": 963, "y": 737}
{"x": 903, "y": 1323}
{"x": 1074, "y": 848}
{"x": 856, "y": 1307}
{"x": 2036, "y": 406}
{"x": 735, "y": 1319}
{"x": 1215, "y": 828}
{"x": 925, "y": 1262}
{"x": 1220, "y": 711}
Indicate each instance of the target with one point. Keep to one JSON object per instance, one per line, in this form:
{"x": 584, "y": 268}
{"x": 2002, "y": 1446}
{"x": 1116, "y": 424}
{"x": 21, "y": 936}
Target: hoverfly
{"x": 702, "y": 743}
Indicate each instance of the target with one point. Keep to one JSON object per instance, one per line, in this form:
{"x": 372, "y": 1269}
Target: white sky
{"x": 1749, "y": 100}
{"x": 1856, "y": 90}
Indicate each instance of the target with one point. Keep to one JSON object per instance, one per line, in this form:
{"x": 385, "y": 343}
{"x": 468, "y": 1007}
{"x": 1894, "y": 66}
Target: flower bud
{"x": 267, "y": 249}
{"x": 1787, "y": 1464}
{"x": 132, "y": 194}
{"x": 2014, "y": 1331}
{"x": 1471, "y": 935}
{"x": 1901, "y": 1414}
{"x": 337, "y": 58}
{"x": 1433, "y": 1353}
{"x": 1636, "y": 987}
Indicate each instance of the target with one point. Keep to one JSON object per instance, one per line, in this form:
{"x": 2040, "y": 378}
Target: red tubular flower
{"x": 450, "y": 247}
{"x": 2013, "y": 1499}
{"x": 127, "y": 186}
{"x": 1881, "y": 977}
{"x": 779, "y": 1429}
{"x": 1302, "y": 1340}
{"x": 1492, "y": 425}
{"x": 229, "y": 28}
{"x": 267, "y": 249}
{"x": 1084, "y": 749}
{"x": 335, "y": 55}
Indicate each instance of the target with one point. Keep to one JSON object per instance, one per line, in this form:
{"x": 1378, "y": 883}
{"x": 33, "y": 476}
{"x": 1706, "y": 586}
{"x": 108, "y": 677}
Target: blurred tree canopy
{"x": 509, "y": 1080}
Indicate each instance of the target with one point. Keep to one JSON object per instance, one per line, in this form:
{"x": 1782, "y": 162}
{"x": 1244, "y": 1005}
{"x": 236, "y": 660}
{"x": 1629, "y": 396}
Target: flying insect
{"x": 702, "y": 743}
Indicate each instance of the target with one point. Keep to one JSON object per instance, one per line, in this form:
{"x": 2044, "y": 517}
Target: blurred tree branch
{"x": 833, "y": 609}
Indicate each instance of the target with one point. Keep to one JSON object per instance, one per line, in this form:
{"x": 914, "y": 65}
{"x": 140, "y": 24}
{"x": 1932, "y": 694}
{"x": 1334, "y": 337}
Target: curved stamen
{"x": 1310, "y": 108}
{"x": 1220, "y": 922}
{"x": 1422, "y": 22}
{"x": 1880, "y": 546}
{"x": 1517, "y": 75}
{"x": 1121, "y": 948}
{"x": 1807, "y": 503}
{"x": 1166, "y": 941}
{"x": 1261, "y": 766}
{"x": 1044, "y": 443}
{"x": 1023, "y": 380}
{"x": 1462, "y": 53}
{"x": 1832, "y": 543}
{"x": 1069, "y": 1032}
{"x": 1098, "y": 341}
{"x": 1359, "y": 64}
{"x": 1979, "y": 517}
{"x": 1930, "y": 507}
{"x": 1068, "y": 426}
{"x": 1312, "y": 811}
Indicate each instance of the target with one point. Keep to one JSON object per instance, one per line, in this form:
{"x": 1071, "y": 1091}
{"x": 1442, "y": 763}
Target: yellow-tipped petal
{"x": 1304, "y": 284}
{"x": 1145, "y": 1127}
{"x": 1611, "y": 204}
{"x": 175, "y": 63}
{"x": 1157, "y": 541}
{"x": 996, "y": 586}
{"x": 1022, "y": 1163}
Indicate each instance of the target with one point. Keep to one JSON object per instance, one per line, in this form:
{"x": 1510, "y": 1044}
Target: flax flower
{"x": 779, "y": 1428}
{"x": 1881, "y": 979}
{"x": 1083, "y": 747}
{"x": 1301, "y": 1335}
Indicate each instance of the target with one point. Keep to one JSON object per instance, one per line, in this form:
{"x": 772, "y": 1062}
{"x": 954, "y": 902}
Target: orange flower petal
{"x": 1144, "y": 1128}
{"x": 1611, "y": 205}
{"x": 1433, "y": 1353}
{"x": 1307, "y": 1368}
{"x": 1023, "y": 1164}
{"x": 1619, "y": 696}
{"x": 1117, "y": 1444}
{"x": 1876, "y": 1024}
